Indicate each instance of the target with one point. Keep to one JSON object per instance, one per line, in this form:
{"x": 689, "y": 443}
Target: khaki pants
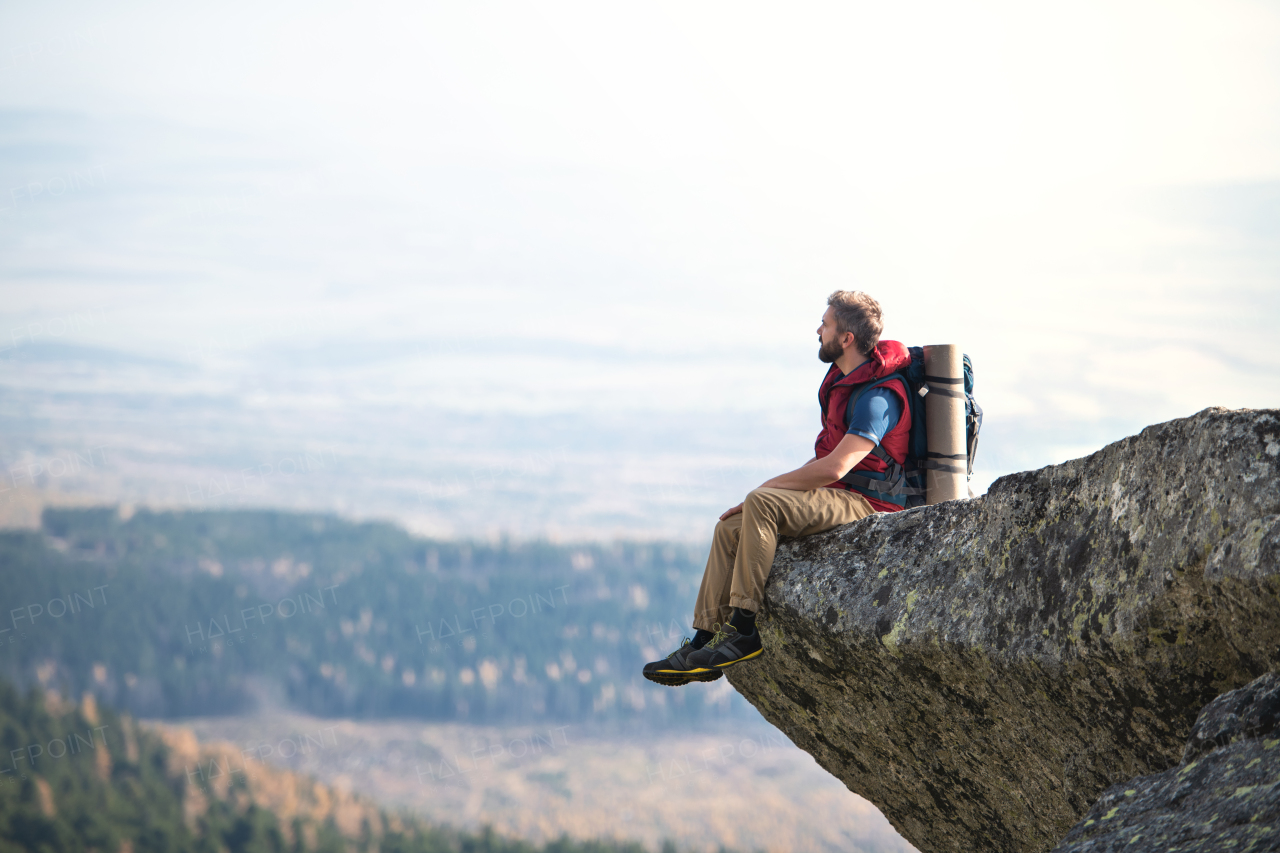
{"x": 744, "y": 543}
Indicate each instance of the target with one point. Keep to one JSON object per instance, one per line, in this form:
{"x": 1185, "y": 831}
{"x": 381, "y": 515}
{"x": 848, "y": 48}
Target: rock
{"x": 1224, "y": 796}
{"x": 983, "y": 670}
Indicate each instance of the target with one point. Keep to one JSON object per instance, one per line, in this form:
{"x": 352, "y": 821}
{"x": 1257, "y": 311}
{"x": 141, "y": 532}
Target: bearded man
{"x": 862, "y": 435}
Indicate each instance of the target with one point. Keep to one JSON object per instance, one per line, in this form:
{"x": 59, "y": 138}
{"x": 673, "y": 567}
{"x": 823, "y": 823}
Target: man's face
{"x": 830, "y": 346}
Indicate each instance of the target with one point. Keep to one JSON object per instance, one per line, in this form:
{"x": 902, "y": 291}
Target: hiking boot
{"x": 727, "y": 647}
{"x": 674, "y": 669}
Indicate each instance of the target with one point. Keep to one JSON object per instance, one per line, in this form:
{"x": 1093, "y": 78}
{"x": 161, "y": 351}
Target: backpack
{"x": 905, "y": 484}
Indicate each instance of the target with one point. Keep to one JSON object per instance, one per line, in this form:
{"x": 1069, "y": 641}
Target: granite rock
{"x": 984, "y": 670}
{"x": 1225, "y": 795}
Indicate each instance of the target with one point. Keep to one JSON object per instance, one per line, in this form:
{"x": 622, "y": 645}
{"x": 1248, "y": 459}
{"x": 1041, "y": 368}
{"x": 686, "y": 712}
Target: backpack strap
{"x": 931, "y": 381}
{"x": 943, "y": 466}
{"x": 883, "y": 380}
{"x": 891, "y": 486}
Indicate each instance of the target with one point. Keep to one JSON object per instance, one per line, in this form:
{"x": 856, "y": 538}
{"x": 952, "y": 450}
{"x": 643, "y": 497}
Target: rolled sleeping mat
{"x": 946, "y": 476}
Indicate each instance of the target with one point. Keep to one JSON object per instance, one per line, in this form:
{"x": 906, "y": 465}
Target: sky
{"x": 555, "y": 269}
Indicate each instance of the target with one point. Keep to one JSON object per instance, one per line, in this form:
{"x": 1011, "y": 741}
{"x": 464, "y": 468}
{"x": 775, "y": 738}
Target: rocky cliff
{"x": 983, "y": 670}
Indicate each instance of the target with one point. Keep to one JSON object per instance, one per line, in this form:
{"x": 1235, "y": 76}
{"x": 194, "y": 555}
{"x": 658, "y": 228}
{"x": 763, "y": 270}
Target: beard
{"x": 828, "y": 353}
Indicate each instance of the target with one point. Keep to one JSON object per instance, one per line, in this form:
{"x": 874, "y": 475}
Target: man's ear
{"x": 849, "y": 341}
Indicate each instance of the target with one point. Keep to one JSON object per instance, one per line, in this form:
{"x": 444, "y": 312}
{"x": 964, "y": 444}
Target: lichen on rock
{"x": 983, "y": 670}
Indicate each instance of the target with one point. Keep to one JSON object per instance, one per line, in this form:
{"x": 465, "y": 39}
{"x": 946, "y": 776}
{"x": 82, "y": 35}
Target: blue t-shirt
{"x": 876, "y": 412}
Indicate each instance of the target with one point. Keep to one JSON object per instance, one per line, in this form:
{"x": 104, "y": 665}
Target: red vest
{"x": 833, "y": 396}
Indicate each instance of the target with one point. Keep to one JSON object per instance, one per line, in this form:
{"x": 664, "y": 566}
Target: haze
{"x": 554, "y": 270}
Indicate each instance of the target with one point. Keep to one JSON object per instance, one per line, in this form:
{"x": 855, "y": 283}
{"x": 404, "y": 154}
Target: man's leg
{"x": 712, "y": 608}
{"x": 770, "y": 513}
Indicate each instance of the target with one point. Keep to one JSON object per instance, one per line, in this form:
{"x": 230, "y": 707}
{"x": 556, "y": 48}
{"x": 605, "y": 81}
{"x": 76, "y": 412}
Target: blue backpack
{"x": 904, "y": 485}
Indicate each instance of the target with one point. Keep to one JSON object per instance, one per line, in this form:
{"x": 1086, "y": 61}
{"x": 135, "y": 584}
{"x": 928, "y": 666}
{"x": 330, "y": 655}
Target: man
{"x": 835, "y": 487}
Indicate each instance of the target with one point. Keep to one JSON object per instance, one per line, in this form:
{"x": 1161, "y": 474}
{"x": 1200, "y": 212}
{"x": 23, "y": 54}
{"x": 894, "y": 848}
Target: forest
{"x": 180, "y": 614}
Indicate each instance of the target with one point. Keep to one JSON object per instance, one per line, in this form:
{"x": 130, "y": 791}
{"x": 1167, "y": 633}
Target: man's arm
{"x": 817, "y": 473}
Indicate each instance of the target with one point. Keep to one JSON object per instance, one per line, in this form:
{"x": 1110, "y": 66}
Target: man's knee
{"x": 758, "y": 499}
{"x": 727, "y": 528}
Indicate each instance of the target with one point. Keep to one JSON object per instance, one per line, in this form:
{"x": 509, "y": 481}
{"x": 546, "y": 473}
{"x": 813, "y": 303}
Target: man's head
{"x": 852, "y": 322}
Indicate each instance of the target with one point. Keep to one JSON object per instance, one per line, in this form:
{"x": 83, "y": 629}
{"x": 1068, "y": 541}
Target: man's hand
{"x": 734, "y": 510}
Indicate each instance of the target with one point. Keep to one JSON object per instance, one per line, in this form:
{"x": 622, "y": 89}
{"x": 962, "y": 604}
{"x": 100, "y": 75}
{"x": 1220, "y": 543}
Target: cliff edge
{"x": 983, "y": 670}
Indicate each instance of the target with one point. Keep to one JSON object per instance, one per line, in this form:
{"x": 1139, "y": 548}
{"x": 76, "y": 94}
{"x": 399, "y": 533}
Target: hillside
{"x": 81, "y": 777}
{"x": 191, "y": 614}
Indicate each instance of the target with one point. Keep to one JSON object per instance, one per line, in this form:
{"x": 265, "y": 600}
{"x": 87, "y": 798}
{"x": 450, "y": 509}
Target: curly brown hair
{"x": 858, "y": 313}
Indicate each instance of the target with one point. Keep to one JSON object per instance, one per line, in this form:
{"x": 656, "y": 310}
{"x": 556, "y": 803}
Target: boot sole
{"x": 679, "y": 679}
{"x": 730, "y": 663}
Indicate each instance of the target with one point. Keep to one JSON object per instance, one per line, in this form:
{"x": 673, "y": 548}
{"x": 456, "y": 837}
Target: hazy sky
{"x": 632, "y": 214}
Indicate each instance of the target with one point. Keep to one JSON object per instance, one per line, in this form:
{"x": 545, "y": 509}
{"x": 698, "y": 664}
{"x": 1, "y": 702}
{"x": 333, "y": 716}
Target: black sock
{"x": 743, "y": 620}
{"x": 701, "y": 638}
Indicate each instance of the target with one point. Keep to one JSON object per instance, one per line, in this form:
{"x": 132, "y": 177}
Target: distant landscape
{"x": 473, "y": 685}
{"x": 739, "y": 784}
